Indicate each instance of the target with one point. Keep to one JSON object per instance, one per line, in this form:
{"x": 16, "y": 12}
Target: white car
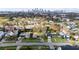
{"x": 1, "y": 33}
{"x": 9, "y": 34}
{"x": 26, "y": 35}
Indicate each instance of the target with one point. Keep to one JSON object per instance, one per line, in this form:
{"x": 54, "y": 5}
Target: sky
{"x": 19, "y": 5}
{"x": 39, "y": 3}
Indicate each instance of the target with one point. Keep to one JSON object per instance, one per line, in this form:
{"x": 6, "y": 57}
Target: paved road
{"x": 30, "y": 44}
{"x": 68, "y": 47}
{"x": 19, "y": 41}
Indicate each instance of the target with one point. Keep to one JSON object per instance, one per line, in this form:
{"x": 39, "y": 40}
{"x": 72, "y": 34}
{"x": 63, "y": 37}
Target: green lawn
{"x": 34, "y": 48}
{"x": 58, "y": 40}
{"x": 30, "y": 40}
{"x": 45, "y": 38}
{"x": 8, "y": 48}
{"x": 10, "y": 42}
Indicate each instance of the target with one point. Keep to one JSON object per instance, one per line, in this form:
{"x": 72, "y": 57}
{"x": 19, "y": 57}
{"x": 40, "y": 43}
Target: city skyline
{"x": 51, "y": 9}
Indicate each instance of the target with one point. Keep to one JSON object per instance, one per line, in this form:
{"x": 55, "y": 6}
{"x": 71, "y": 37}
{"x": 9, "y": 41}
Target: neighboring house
{"x": 66, "y": 19}
{"x": 9, "y": 28}
{"x": 55, "y": 27}
{"x": 76, "y": 18}
{"x": 76, "y": 37}
{"x": 72, "y": 25}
